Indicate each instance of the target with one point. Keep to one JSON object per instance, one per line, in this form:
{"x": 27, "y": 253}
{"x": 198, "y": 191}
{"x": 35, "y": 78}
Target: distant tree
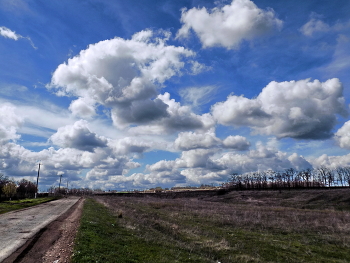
{"x": 51, "y": 190}
{"x": 323, "y": 172}
{"x": 346, "y": 171}
{"x": 340, "y": 175}
{"x": 9, "y": 189}
{"x": 279, "y": 179}
{"x": 3, "y": 181}
{"x": 26, "y": 188}
{"x": 306, "y": 176}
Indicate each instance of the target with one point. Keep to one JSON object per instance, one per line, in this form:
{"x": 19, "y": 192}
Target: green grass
{"x": 103, "y": 238}
{"x": 8, "y": 206}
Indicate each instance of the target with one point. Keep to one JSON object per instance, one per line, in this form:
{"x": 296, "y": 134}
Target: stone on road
{"x": 17, "y": 227}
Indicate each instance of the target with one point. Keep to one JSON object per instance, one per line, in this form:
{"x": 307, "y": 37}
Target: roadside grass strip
{"x": 8, "y": 206}
{"x": 101, "y": 238}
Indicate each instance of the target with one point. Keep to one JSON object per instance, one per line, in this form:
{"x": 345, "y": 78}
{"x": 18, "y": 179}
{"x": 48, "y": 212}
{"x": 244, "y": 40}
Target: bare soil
{"x": 54, "y": 243}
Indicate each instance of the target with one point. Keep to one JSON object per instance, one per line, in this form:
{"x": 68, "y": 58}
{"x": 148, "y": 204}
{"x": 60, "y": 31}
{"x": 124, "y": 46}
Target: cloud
{"x": 209, "y": 166}
{"x": 341, "y": 57}
{"x": 182, "y": 118}
{"x": 130, "y": 145}
{"x": 82, "y": 107}
{"x": 237, "y": 142}
{"x": 240, "y": 111}
{"x": 198, "y": 68}
{"x": 161, "y": 166}
{"x": 139, "y": 112}
{"x": 8, "y": 33}
{"x": 111, "y": 167}
{"x": 342, "y": 136}
{"x": 197, "y": 96}
{"x": 10, "y": 121}
{"x": 298, "y": 162}
{"x": 331, "y": 161}
{"x": 98, "y": 165}
{"x": 301, "y": 109}
{"x": 43, "y": 119}
{"x": 78, "y": 136}
{"x": 177, "y": 118}
{"x": 314, "y": 25}
{"x": 262, "y": 158}
{"x": 153, "y": 179}
{"x": 124, "y": 75}
{"x": 190, "y": 140}
{"x": 229, "y": 25}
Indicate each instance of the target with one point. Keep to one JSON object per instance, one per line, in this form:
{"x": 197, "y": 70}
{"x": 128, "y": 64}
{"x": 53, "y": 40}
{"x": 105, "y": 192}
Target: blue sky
{"x": 138, "y": 94}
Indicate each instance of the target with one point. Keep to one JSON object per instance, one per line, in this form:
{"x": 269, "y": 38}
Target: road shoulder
{"x": 54, "y": 235}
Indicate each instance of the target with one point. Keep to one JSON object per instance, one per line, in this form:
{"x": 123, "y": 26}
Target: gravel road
{"x": 17, "y": 227}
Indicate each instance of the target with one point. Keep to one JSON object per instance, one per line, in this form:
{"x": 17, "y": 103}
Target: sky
{"x": 131, "y": 94}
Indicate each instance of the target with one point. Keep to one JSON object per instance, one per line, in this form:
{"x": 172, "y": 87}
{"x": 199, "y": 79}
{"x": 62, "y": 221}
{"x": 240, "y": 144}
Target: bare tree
{"x": 346, "y": 171}
{"x": 340, "y": 175}
{"x": 306, "y": 175}
{"x": 323, "y": 172}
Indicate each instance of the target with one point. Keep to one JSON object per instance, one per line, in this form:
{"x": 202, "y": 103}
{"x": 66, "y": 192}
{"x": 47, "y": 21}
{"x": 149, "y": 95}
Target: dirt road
{"x": 17, "y": 227}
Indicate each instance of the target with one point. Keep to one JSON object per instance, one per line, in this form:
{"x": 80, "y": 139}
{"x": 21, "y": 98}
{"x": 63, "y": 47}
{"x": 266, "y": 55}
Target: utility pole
{"x": 37, "y": 182}
{"x": 59, "y": 186}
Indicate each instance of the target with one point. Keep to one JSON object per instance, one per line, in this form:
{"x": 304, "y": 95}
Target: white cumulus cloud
{"x": 125, "y": 75}
{"x": 78, "y": 136}
{"x": 236, "y": 142}
{"x": 191, "y": 140}
{"x": 176, "y": 118}
{"x": 342, "y": 136}
{"x": 229, "y": 25}
{"x": 301, "y": 109}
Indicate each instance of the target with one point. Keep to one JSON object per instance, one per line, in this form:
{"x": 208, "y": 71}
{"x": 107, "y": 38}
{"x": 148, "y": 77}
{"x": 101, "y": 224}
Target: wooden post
{"x": 37, "y": 182}
{"x": 59, "y": 186}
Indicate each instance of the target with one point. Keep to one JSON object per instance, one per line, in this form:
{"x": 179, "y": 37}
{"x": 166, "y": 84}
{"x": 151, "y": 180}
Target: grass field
{"x": 8, "y": 206}
{"x": 265, "y": 226}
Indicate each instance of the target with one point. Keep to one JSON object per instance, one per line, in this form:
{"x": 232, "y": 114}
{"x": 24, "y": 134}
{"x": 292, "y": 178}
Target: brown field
{"x": 243, "y": 226}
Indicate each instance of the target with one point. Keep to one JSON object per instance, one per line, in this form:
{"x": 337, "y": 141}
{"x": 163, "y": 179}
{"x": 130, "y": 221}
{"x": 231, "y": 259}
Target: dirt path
{"x": 54, "y": 242}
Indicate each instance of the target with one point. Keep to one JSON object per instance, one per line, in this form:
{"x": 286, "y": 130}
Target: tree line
{"x": 11, "y": 189}
{"x": 290, "y": 178}
{"x": 14, "y": 190}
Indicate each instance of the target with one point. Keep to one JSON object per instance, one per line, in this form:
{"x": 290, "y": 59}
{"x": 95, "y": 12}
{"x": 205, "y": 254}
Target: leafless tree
{"x": 346, "y": 171}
